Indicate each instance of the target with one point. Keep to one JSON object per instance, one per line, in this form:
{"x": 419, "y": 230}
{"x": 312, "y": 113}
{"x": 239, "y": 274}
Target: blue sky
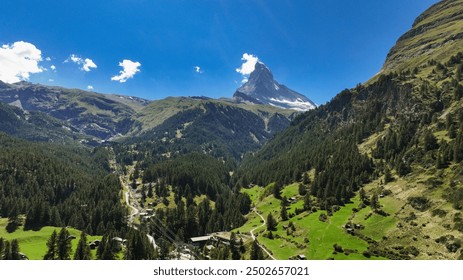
{"x": 315, "y": 47}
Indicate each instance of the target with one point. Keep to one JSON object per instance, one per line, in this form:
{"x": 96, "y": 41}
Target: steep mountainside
{"x": 35, "y": 126}
{"x": 393, "y": 147}
{"x": 436, "y": 34}
{"x": 261, "y": 88}
{"x": 88, "y": 113}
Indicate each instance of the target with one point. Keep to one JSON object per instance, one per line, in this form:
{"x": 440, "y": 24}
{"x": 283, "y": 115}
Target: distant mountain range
{"x": 56, "y": 114}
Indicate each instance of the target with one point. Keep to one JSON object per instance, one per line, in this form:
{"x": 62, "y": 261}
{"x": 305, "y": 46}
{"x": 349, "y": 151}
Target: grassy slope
{"x": 322, "y": 235}
{"x": 441, "y": 24}
{"x": 34, "y": 243}
{"x": 397, "y": 230}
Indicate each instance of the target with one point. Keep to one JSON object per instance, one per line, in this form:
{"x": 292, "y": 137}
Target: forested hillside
{"x": 58, "y": 186}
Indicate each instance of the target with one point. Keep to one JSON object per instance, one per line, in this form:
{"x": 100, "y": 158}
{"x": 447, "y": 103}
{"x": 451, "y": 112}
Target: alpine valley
{"x": 375, "y": 173}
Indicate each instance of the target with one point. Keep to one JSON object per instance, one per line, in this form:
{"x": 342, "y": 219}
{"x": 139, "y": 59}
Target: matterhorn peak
{"x": 261, "y": 88}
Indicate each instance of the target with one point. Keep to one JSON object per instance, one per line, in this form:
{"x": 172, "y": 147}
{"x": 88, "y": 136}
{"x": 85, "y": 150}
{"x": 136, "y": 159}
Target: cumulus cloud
{"x": 86, "y": 63}
{"x": 18, "y": 61}
{"x": 198, "y": 70}
{"x": 53, "y": 67}
{"x": 48, "y": 58}
{"x": 248, "y": 65}
{"x": 89, "y": 87}
{"x": 129, "y": 69}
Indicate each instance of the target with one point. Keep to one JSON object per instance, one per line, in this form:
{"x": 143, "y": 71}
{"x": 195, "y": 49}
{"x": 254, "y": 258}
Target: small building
{"x": 200, "y": 240}
{"x": 94, "y": 244}
{"x": 292, "y": 199}
{"x": 301, "y": 257}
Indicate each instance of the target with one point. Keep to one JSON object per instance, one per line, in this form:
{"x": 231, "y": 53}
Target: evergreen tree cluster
{"x": 58, "y": 185}
{"x": 9, "y": 250}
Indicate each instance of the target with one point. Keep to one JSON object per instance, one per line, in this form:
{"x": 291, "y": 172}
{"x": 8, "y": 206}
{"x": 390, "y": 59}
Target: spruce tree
{"x": 2, "y": 246}
{"x": 277, "y": 189}
{"x": 7, "y": 251}
{"x": 83, "y": 250}
{"x": 63, "y": 249}
{"x": 283, "y": 212}
{"x": 233, "y": 247}
{"x": 15, "y": 250}
{"x": 256, "y": 251}
{"x": 51, "y": 245}
{"x": 271, "y": 222}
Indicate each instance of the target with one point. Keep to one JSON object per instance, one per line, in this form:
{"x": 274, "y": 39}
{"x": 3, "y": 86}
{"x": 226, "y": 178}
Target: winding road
{"x": 254, "y": 237}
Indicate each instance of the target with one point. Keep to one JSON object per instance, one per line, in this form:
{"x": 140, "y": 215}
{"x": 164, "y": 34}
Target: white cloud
{"x": 89, "y": 87}
{"x": 51, "y": 80}
{"x": 129, "y": 69}
{"x": 87, "y": 63}
{"x": 48, "y": 58}
{"x": 18, "y": 61}
{"x": 53, "y": 67}
{"x": 249, "y": 65}
{"x": 198, "y": 70}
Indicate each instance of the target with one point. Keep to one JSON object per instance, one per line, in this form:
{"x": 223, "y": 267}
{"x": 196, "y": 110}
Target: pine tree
{"x": 256, "y": 251}
{"x": 150, "y": 190}
{"x": 458, "y": 146}
{"x": 233, "y": 247}
{"x": 15, "y": 250}
{"x": 307, "y": 202}
{"x": 51, "y": 245}
{"x": 283, "y": 212}
{"x": 375, "y": 202}
{"x": 388, "y": 176}
{"x": 302, "y": 189}
{"x": 7, "y": 251}
{"x": 2, "y": 246}
{"x": 271, "y": 222}
{"x": 363, "y": 197}
{"x": 430, "y": 141}
{"x": 63, "y": 249}
{"x": 277, "y": 189}
{"x": 83, "y": 250}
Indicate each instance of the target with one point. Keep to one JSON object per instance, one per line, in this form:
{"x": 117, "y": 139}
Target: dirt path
{"x": 254, "y": 237}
